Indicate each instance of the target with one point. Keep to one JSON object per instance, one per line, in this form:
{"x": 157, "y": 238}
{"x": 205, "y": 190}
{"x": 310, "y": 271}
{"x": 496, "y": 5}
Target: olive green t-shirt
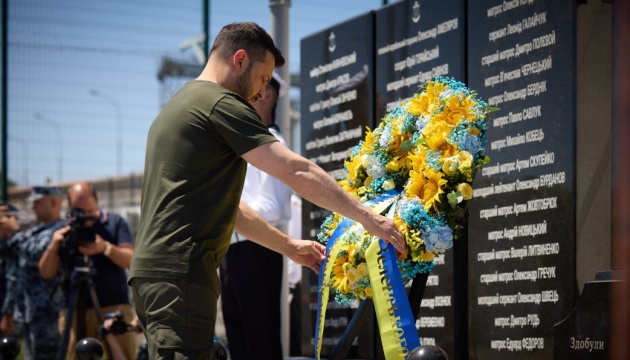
{"x": 193, "y": 178}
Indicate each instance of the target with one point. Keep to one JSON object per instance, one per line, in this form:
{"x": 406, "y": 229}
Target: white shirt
{"x": 266, "y": 195}
{"x": 295, "y": 231}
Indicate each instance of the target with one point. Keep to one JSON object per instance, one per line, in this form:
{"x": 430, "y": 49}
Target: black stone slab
{"x": 521, "y": 58}
{"x": 585, "y": 333}
{"x": 336, "y": 105}
{"x": 416, "y": 41}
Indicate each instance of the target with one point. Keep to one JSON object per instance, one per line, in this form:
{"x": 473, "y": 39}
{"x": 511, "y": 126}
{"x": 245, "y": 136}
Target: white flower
{"x": 375, "y": 169}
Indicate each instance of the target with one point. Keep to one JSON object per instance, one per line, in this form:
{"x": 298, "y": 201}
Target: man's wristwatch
{"x": 108, "y": 249}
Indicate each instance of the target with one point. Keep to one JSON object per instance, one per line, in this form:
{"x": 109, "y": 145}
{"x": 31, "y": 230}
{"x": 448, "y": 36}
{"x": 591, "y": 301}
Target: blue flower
{"x": 386, "y": 136}
{"x": 437, "y": 238}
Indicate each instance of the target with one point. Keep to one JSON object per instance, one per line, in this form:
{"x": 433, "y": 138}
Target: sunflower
{"x": 427, "y": 186}
{"x": 418, "y": 105}
{"x": 456, "y": 110}
{"x": 356, "y": 172}
{"x": 436, "y": 133}
{"x": 370, "y": 138}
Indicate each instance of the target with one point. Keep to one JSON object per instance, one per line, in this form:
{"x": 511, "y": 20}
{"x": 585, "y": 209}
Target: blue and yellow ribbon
{"x": 396, "y": 322}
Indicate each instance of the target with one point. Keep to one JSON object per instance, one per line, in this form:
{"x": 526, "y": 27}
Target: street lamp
{"x": 55, "y": 125}
{"x": 119, "y": 140}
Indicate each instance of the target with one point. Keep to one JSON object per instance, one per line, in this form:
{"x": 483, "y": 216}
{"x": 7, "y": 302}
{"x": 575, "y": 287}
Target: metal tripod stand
{"x": 81, "y": 284}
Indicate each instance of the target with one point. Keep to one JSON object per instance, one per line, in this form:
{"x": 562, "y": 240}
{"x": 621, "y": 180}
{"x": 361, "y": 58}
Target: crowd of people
{"x": 199, "y": 195}
{"x": 62, "y": 275}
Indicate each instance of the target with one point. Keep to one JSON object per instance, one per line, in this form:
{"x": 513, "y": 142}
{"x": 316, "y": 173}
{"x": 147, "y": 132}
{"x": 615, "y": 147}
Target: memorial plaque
{"x": 336, "y": 106}
{"x": 522, "y": 276}
{"x": 416, "y": 41}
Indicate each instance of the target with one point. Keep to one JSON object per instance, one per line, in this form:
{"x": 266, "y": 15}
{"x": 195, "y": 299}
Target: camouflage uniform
{"x": 28, "y": 296}
{"x": 4, "y": 254}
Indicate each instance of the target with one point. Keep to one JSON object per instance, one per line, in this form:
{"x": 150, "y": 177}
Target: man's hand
{"x": 307, "y": 253}
{"x": 387, "y": 230}
{"x": 317, "y": 186}
{"x": 93, "y": 248}
{"x": 8, "y": 222}
{"x": 50, "y": 260}
{"x": 58, "y": 237}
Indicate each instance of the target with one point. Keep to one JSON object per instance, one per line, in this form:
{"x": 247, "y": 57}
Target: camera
{"x": 79, "y": 233}
{"x": 118, "y": 326}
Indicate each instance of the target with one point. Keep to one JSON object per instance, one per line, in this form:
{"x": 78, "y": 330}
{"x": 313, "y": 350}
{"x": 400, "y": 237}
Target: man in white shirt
{"x": 251, "y": 275}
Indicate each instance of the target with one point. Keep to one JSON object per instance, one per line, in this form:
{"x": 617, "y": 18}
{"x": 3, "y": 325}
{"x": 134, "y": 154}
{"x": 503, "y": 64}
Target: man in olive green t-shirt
{"x": 195, "y": 164}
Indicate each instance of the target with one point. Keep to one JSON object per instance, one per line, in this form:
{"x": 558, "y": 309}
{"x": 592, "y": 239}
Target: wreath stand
{"x": 366, "y": 309}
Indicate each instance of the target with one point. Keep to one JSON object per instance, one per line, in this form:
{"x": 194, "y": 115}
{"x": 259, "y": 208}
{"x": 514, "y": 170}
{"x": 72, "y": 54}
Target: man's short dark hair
{"x": 248, "y": 36}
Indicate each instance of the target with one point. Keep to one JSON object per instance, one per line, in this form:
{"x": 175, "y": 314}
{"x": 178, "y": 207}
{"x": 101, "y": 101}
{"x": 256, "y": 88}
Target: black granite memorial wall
{"x": 522, "y": 218}
{"x": 519, "y": 254}
{"x": 337, "y": 104}
{"x": 416, "y": 41}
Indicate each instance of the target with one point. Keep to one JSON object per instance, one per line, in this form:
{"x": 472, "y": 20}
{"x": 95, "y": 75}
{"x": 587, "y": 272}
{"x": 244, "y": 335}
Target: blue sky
{"x": 83, "y": 86}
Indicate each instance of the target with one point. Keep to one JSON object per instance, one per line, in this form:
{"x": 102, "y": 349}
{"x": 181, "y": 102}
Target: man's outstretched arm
{"x": 315, "y": 185}
{"x": 253, "y": 227}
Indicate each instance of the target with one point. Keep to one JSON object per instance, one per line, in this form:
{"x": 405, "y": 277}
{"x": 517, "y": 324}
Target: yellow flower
{"x": 352, "y": 275}
{"x": 343, "y": 285}
{"x": 362, "y": 269}
{"x": 464, "y": 156}
{"x": 400, "y": 164}
{"x": 427, "y": 186}
{"x": 346, "y": 266}
{"x": 474, "y": 131}
{"x": 417, "y": 160}
{"x": 465, "y": 164}
{"x": 431, "y": 189}
{"x": 388, "y": 184}
{"x": 354, "y": 168}
{"x": 466, "y": 190}
{"x": 394, "y": 164}
{"x": 368, "y": 292}
{"x": 370, "y": 138}
{"x": 354, "y": 251}
{"x": 346, "y": 186}
{"x": 436, "y": 133}
{"x": 416, "y": 182}
{"x": 456, "y": 110}
{"x": 418, "y": 105}
{"x": 449, "y": 166}
{"x": 336, "y": 276}
{"x": 426, "y": 256}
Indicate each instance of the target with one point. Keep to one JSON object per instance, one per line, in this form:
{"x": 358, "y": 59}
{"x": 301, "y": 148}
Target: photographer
{"x": 109, "y": 252}
{"x": 27, "y": 305}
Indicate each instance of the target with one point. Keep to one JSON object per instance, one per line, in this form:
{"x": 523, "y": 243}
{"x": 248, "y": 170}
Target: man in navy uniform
{"x": 28, "y": 305}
